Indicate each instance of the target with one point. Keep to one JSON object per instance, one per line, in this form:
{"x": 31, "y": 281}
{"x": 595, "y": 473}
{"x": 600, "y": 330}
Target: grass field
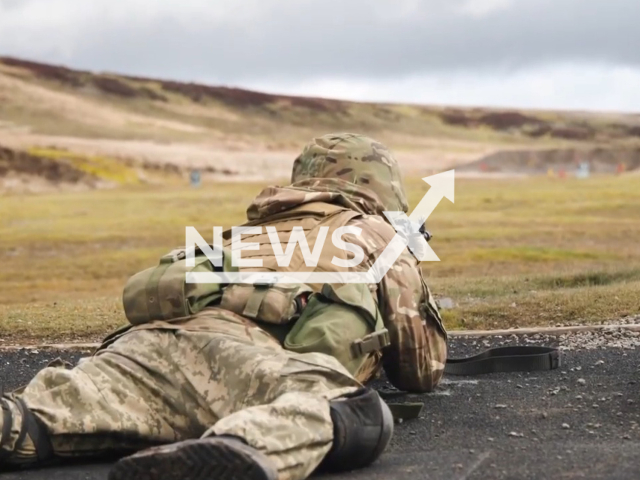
{"x": 516, "y": 252}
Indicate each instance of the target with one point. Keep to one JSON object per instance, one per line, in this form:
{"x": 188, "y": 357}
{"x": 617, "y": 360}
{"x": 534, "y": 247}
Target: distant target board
{"x": 584, "y": 170}
{"x": 195, "y": 178}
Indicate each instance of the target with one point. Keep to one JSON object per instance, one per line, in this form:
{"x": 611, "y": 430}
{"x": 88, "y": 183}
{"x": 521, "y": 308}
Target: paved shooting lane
{"x": 580, "y": 421}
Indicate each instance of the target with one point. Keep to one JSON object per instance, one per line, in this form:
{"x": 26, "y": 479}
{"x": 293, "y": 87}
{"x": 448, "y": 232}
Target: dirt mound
{"x": 114, "y": 86}
{"x": 111, "y": 85}
{"x": 23, "y": 163}
{"x": 167, "y": 128}
{"x": 45, "y": 169}
{"x": 239, "y": 97}
{"x": 534, "y": 162}
{"x": 22, "y": 172}
{"x": 496, "y": 120}
{"x": 132, "y": 87}
{"x": 536, "y": 127}
{"x": 48, "y": 72}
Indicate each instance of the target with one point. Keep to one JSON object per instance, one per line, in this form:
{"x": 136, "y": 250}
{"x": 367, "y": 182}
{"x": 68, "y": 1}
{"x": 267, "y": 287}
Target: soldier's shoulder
{"x": 376, "y": 232}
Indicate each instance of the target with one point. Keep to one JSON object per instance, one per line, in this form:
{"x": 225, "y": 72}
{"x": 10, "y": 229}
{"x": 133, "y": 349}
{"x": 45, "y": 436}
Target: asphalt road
{"x": 580, "y": 421}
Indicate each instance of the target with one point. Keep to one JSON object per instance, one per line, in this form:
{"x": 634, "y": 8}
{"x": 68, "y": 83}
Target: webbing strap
{"x": 252, "y": 308}
{"x": 527, "y": 358}
{"x": 370, "y": 343}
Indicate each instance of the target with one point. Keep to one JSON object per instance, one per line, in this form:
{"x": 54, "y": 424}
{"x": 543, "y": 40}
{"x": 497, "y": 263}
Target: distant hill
{"x": 252, "y": 135}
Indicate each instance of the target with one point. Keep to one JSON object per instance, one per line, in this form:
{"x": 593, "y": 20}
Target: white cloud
{"x": 565, "y": 86}
{"x": 483, "y": 8}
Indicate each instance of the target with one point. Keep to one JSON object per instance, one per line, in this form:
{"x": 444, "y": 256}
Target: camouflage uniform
{"x": 219, "y": 373}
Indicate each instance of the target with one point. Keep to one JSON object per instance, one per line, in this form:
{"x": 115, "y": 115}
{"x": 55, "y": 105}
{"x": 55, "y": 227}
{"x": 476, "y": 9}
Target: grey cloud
{"x": 306, "y": 39}
{"x": 9, "y": 4}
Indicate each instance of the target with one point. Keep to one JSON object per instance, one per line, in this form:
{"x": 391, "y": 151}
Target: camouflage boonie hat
{"x": 358, "y": 160}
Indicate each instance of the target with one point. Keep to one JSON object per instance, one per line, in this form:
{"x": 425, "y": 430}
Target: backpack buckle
{"x": 174, "y": 256}
{"x": 265, "y": 281}
{"x": 370, "y": 343}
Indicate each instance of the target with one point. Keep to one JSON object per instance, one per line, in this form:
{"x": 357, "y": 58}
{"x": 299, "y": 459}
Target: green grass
{"x": 523, "y": 252}
{"x": 540, "y": 300}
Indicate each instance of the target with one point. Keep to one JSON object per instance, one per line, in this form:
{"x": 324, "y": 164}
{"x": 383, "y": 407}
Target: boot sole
{"x": 207, "y": 459}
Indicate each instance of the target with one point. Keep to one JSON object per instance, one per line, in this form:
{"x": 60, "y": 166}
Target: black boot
{"x": 362, "y": 429}
{"x": 215, "y": 458}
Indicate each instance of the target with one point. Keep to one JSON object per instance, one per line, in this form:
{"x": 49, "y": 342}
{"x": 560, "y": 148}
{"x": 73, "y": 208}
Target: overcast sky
{"x": 576, "y": 54}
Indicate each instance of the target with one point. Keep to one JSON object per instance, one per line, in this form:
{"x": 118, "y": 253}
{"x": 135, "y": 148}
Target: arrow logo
{"x": 442, "y": 186}
{"x": 407, "y": 235}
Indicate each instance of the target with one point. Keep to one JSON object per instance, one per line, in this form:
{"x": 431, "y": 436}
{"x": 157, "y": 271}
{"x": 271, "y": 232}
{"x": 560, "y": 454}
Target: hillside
{"x": 112, "y": 129}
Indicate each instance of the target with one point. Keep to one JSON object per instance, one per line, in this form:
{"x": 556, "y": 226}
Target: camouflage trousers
{"x": 215, "y": 374}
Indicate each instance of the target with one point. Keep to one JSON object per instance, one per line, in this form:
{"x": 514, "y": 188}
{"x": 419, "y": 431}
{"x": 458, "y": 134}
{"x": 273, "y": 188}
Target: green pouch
{"x": 344, "y": 323}
{"x": 269, "y": 303}
{"x": 162, "y": 293}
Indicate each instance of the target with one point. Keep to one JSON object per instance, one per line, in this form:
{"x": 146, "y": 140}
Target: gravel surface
{"x": 629, "y": 320}
{"x": 617, "y": 338}
{"x": 579, "y": 421}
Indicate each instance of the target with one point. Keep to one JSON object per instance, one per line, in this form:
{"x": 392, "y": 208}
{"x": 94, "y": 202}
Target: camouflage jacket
{"x": 415, "y": 359}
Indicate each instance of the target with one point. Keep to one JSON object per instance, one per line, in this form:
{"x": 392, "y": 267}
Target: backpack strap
{"x": 316, "y": 209}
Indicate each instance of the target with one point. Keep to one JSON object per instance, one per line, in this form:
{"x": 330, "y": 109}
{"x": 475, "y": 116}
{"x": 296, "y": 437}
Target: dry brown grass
{"x": 164, "y": 121}
{"x": 513, "y": 253}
